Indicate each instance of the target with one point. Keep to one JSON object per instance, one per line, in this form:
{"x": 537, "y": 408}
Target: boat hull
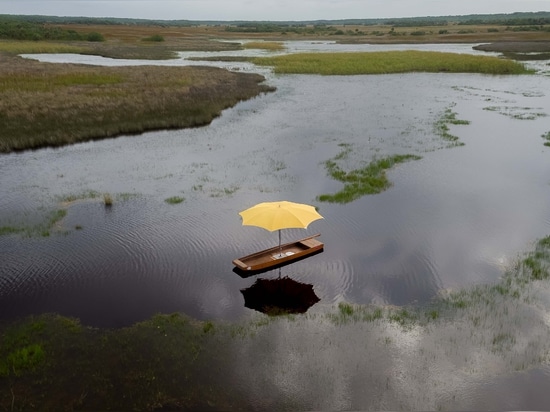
{"x": 277, "y": 256}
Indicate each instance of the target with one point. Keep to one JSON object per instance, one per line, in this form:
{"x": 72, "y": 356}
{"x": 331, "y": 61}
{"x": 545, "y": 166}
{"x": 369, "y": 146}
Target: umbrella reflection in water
{"x": 279, "y": 296}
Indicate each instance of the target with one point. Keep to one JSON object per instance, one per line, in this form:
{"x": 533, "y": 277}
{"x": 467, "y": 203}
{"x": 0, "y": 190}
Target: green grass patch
{"x": 174, "y": 200}
{"x": 354, "y": 63}
{"x": 546, "y": 137}
{"x": 403, "y": 317}
{"x": 26, "y": 358}
{"x": 368, "y": 180}
{"x": 74, "y": 197}
{"x": 356, "y": 313}
{"x": 10, "y": 230}
{"x": 154, "y": 38}
{"x": 442, "y": 127}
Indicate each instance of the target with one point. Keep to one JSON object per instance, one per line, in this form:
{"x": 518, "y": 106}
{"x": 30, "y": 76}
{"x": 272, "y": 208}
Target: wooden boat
{"x": 279, "y": 255}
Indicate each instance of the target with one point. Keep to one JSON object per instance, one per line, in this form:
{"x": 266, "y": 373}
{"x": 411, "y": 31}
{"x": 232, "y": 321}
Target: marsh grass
{"x": 546, "y": 136}
{"x": 32, "y": 47}
{"x": 518, "y": 113}
{"x": 348, "y": 312}
{"x": 174, "y": 200}
{"x": 107, "y": 200}
{"x": 481, "y": 302}
{"x": 442, "y": 127}
{"x": 53, "y": 105}
{"x": 50, "y": 360}
{"x": 264, "y": 45}
{"x": 354, "y": 63}
{"x": 226, "y": 191}
{"x": 10, "y": 230}
{"x": 368, "y": 180}
{"x": 52, "y": 221}
{"x": 75, "y": 197}
{"x": 27, "y": 358}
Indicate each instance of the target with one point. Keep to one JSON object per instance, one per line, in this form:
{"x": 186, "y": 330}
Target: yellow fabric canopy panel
{"x": 280, "y": 215}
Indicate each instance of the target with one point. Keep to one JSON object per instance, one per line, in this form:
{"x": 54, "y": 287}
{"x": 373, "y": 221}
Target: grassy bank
{"x": 389, "y": 62}
{"x": 53, "y": 105}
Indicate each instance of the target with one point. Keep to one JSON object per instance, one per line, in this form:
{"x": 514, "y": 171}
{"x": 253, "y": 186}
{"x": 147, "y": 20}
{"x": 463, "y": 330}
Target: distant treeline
{"x": 511, "y": 19}
{"x": 540, "y": 21}
{"x": 25, "y": 30}
{"x": 99, "y": 20}
{"x": 520, "y": 20}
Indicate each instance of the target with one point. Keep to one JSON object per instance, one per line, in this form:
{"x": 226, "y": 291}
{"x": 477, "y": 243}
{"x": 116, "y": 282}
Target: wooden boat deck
{"x": 275, "y": 256}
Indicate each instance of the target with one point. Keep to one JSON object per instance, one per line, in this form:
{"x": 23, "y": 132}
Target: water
{"x": 456, "y": 218}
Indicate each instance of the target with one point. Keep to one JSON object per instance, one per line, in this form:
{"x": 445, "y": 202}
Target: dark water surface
{"x": 457, "y": 217}
{"x": 460, "y": 216}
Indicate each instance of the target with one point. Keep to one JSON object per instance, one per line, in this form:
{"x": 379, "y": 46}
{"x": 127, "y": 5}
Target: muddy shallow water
{"x": 458, "y": 217}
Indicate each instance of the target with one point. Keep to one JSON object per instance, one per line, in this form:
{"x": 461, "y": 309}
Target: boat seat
{"x": 284, "y": 255}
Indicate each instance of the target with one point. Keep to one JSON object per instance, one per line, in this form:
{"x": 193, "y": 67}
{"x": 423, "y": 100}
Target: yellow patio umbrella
{"x": 280, "y": 215}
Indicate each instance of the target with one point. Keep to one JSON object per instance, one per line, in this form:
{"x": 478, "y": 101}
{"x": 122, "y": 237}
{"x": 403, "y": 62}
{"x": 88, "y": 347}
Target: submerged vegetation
{"x": 368, "y": 180}
{"x": 353, "y": 63}
{"x": 518, "y": 113}
{"x": 173, "y": 362}
{"x": 442, "y": 126}
{"x": 52, "y": 221}
{"x": 174, "y": 200}
{"x": 49, "y": 361}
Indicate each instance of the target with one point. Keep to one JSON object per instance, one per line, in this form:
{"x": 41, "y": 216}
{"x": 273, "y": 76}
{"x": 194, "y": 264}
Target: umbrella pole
{"x": 280, "y": 248}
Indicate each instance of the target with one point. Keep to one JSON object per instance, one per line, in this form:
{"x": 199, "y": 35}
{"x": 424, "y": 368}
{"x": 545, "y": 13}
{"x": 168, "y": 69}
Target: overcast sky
{"x": 267, "y": 9}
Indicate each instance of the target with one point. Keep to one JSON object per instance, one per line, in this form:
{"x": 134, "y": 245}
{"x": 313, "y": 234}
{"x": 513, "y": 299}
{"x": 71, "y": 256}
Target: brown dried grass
{"x": 52, "y": 105}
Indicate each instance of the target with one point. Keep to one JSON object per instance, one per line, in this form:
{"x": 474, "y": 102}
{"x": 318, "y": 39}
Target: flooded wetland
{"x": 425, "y": 300}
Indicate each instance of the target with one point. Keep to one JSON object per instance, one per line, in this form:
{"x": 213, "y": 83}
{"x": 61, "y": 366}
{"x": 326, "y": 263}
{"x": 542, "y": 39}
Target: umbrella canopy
{"x": 279, "y": 296}
{"x": 280, "y": 215}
